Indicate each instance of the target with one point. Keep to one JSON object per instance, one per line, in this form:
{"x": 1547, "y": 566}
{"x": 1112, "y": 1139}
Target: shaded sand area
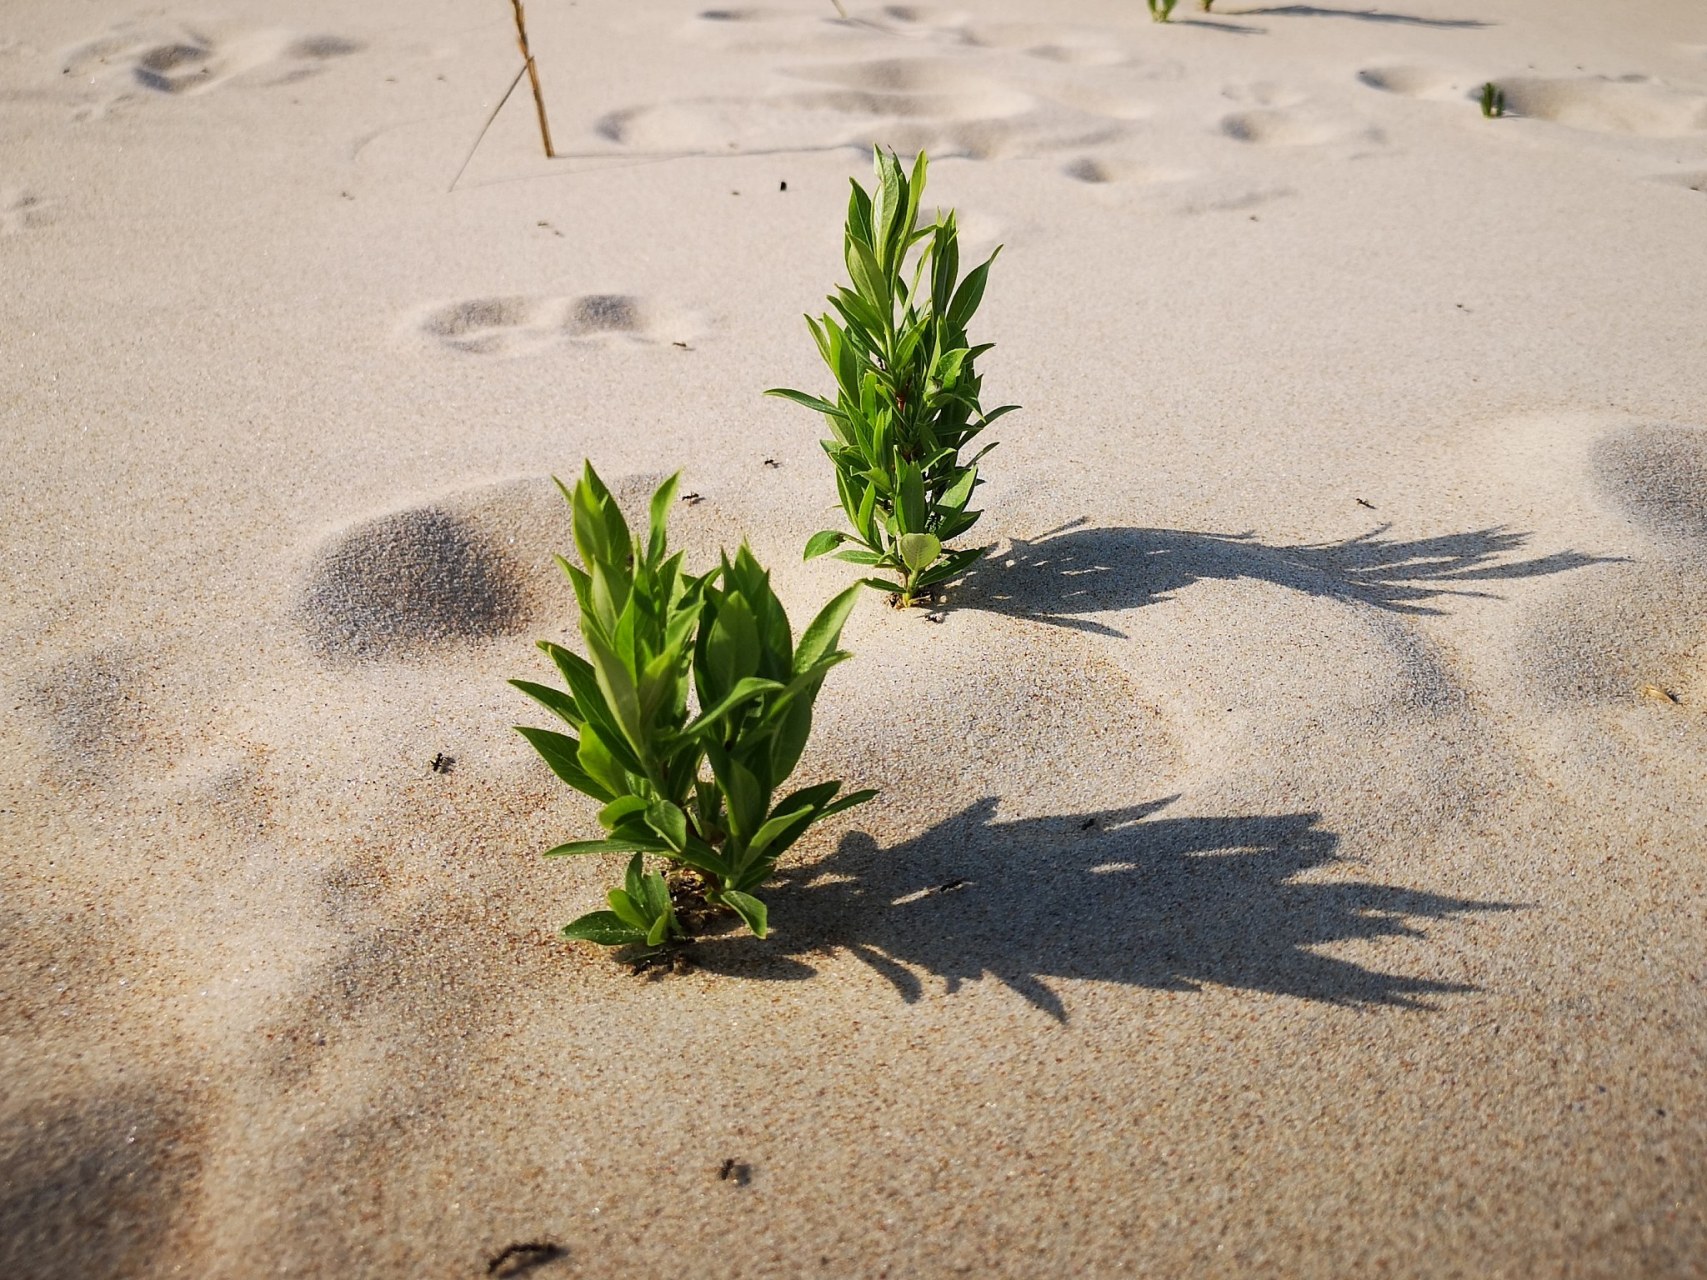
{"x": 1293, "y": 841}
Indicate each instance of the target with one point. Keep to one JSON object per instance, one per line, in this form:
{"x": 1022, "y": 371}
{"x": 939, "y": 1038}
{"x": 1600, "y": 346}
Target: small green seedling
{"x": 1205, "y": 4}
{"x": 906, "y": 388}
{"x": 1162, "y": 10}
{"x": 1493, "y": 101}
{"x": 696, "y": 788}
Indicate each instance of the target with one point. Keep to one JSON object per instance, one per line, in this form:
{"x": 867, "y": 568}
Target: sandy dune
{"x": 1292, "y": 849}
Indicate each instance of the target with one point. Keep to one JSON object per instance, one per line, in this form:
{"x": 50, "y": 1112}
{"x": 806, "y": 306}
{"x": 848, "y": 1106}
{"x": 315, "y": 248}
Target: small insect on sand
{"x": 443, "y": 763}
{"x": 1660, "y": 695}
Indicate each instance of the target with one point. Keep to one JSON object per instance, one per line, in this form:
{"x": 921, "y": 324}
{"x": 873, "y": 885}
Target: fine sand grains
{"x": 1289, "y": 854}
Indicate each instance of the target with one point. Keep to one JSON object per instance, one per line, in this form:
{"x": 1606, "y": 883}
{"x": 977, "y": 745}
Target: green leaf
{"x": 561, "y": 755}
{"x": 918, "y": 550}
{"x": 634, "y": 877}
{"x": 825, "y": 540}
{"x": 660, "y": 927}
{"x": 846, "y": 802}
{"x": 811, "y": 402}
{"x": 556, "y": 701}
{"x": 603, "y": 927}
{"x": 912, "y": 510}
{"x": 782, "y": 830}
{"x": 970, "y": 293}
{"x": 731, "y": 646}
{"x": 611, "y": 816}
{"x": 855, "y": 556}
{"x": 748, "y": 908}
{"x": 893, "y": 588}
{"x": 659, "y": 516}
{"x": 616, "y": 682}
{"x": 670, "y": 822}
{"x": 590, "y": 701}
{"x": 824, "y": 631}
{"x": 628, "y": 911}
{"x": 577, "y": 847}
{"x": 744, "y": 691}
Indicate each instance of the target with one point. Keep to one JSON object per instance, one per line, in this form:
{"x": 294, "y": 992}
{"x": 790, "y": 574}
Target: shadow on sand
{"x": 1360, "y": 15}
{"x": 1114, "y": 896}
{"x": 1075, "y": 570}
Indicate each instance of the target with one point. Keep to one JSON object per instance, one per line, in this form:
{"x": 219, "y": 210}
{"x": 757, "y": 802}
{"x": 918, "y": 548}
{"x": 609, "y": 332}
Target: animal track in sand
{"x": 518, "y": 325}
{"x": 151, "y": 60}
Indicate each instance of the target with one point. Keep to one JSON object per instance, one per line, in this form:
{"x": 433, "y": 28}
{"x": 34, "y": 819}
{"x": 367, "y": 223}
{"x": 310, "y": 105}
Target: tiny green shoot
{"x": 1162, "y": 10}
{"x": 1493, "y": 101}
{"x": 907, "y": 388}
{"x": 693, "y": 786}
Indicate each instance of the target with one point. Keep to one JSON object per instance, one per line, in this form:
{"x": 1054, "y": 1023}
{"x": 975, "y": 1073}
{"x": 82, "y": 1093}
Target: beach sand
{"x": 1321, "y": 750}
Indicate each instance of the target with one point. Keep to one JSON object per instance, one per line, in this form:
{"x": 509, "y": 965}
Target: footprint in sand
{"x": 1099, "y": 171}
{"x": 22, "y": 211}
{"x": 1407, "y": 81}
{"x": 519, "y": 325}
{"x": 99, "y": 713}
{"x": 1635, "y": 635}
{"x": 1636, "y": 104}
{"x": 95, "y": 1184}
{"x": 1294, "y": 126}
{"x": 925, "y": 79}
{"x": 466, "y": 567}
{"x": 1695, "y": 180}
{"x": 141, "y": 61}
{"x": 412, "y": 581}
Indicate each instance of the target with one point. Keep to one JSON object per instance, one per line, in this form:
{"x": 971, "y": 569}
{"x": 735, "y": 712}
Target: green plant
{"x": 907, "y": 387}
{"x": 1205, "y": 4}
{"x": 1162, "y": 10}
{"x": 1493, "y": 101}
{"x": 694, "y": 787}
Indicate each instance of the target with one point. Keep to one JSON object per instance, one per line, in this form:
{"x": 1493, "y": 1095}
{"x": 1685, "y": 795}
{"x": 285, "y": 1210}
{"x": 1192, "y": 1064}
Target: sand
{"x": 1319, "y": 760}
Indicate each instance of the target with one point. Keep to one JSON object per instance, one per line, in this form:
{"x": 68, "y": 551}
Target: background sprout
{"x": 907, "y": 388}
{"x": 1162, "y": 10}
{"x": 1493, "y": 101}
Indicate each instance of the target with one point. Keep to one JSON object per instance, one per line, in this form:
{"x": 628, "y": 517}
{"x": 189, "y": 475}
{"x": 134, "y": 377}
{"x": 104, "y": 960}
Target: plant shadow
{"x": 1361, "y": 15}
{"x": 1113, "y": 896}
{"x": 1075, "y": 570}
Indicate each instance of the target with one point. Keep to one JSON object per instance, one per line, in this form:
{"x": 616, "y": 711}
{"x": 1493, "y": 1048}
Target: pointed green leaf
{"x": 562, "y": 754}
{"x": 748, "y": 908}
{"x": 825, "y": 540}
{"x": 603, "y": 927}
{"x": 670, "y": 822}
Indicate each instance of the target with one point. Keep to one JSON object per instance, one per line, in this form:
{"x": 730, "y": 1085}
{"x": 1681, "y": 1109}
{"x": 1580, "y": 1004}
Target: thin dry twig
{"x": 466, "y": 160}
{"x": 533, "y": 78}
